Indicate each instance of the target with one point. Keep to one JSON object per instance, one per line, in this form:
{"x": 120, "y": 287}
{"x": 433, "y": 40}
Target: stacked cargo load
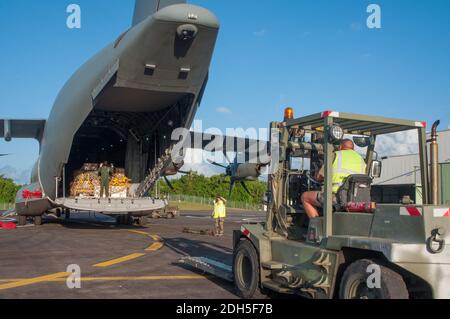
{"x": 120, "y": 184}
{"x": 86, "y": 183}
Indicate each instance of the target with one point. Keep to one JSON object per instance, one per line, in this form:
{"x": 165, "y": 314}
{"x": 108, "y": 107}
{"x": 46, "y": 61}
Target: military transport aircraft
{"x": 131, "y": 95}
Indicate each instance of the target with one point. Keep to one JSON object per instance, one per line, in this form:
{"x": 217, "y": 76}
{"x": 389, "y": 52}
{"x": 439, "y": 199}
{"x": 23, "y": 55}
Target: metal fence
{"x": 210, "y": 202}
{"x": 6, "y": 206}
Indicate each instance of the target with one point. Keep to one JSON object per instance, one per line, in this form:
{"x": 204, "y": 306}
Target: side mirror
{"x": 375, "y": 169}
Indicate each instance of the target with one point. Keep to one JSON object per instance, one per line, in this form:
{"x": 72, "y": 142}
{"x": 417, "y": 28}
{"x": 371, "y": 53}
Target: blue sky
{"x": 312, "y": 55}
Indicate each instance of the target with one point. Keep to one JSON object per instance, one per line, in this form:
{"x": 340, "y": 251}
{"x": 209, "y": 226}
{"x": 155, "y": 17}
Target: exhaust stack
{"x": 434, "y": 159}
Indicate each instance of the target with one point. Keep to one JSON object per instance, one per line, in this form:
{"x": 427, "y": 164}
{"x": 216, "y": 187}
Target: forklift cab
{"x": 307, "y": 144}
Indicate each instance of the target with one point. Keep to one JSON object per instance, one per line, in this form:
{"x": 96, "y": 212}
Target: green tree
{"x": 194, "y": 184}
{"x": 8, "y": 190}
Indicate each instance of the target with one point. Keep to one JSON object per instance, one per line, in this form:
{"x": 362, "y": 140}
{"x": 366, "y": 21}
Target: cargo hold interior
{"x": 130, "y": 140}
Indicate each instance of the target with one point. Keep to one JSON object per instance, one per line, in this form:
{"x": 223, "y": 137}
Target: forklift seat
{"x": 354, "y": 194}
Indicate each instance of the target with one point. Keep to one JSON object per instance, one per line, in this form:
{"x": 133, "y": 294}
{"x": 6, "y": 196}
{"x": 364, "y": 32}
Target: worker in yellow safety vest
{"x": 346, "y": 162}
{"x": 219, "y": 215}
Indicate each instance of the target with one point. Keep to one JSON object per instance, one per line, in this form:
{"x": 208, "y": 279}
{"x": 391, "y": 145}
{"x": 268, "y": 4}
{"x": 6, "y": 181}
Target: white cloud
{"x": 223, "y": 110}
{"x": 18, "y": 176}
{"x": 401, "y": 143}
{"x": 260, "y": 33}
{"x": 195, "y": 160}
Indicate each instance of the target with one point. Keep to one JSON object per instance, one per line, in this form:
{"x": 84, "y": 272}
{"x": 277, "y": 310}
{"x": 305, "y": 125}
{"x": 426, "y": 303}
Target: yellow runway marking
{"x": 119, "y": 278}
{"x": 156, "y": 238}
{"x": 153, "y": 247}
{"x": 139, "y": 232}
{"x": 119, "y": 260}
{"x": 31, "y": 281}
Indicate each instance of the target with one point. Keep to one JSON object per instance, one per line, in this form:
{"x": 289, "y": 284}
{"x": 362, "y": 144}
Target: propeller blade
{"x": 169, "y": 183}
{"x": 4, "y": 155}
{"x": 217, "y": 164}
{"x": 184, "y": 172}
{"x": 226, "y": 156}
{"x": 231, "y": 188}
{"x": 246, "y": 188}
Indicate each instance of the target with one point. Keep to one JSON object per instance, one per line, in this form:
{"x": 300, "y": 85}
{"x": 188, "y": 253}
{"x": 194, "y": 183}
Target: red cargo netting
{"x": 27, "y": 194}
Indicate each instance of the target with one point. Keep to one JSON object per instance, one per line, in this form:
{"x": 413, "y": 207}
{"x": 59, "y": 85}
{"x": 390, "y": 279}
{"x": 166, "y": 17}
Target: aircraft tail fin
{"x": 146, "y": 8}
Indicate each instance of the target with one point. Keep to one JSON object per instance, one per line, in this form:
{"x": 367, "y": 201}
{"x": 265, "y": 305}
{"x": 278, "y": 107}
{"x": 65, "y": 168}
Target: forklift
{"x": 357, "y": 249}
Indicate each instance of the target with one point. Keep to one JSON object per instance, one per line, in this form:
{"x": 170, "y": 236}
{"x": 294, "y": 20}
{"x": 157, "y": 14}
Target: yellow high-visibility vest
{"x": 220, "y": 211}
{"x": 346, "y": 163}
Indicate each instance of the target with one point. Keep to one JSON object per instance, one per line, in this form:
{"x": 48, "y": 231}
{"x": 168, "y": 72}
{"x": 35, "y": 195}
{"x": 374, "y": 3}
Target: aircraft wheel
{"x": 247, "y": 272}
{"x": 155, "y": 215}
{"x": 354, "y": 282}
{"x": 58, "y": 212}
{"x": 142, "y": 221}
{"x": 119, "y": 220}
{"x": 22, "y": 220}
{"x": 38, "y": 220}
{"x": 170, "y": 215}
{"x": 129, "y": 220}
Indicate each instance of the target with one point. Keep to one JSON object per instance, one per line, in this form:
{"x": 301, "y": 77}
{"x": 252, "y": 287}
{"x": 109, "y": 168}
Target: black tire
{"x": 170, "y": 215}
{"x": 67, "y": 214}
{"x": 22, "y": 220}
{"x": 142, "y": 221}
{"x": 247, "y": 272}
{"x": 38, "y": 220}
{"x": 121, "y": 220}
{"x": 354, "y": 283}
{"x": 58, "y": 212}
{"x": 129, "y": 220}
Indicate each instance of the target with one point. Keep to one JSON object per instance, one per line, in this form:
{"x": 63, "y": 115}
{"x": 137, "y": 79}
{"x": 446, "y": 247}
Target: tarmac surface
{"x": 115, "y": 261}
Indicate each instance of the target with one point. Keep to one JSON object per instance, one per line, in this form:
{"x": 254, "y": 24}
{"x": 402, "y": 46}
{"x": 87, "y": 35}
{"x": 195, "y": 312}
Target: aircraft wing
{"x": 10, "y": 129}
{"x": 222, "y": 143}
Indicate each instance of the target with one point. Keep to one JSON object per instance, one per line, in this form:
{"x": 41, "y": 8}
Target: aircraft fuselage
{"x": 123, "y": 104}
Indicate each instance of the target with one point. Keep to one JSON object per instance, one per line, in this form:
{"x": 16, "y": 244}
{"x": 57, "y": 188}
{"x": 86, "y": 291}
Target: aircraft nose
{"x": 189, "y": 15}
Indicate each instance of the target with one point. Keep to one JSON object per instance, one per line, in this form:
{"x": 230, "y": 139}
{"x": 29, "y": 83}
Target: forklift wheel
{"x": 354, "y": 283}
{"x": 22, "y": 220}
{"x": 246, "y": 271}
{"x": 38, "y": 220}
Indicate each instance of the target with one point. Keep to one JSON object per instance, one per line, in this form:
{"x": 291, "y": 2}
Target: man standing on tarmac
{"x": 105, "y": 172}
{"x": 219, "y": 215}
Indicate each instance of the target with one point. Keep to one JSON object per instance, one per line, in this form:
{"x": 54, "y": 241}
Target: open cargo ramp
{"x": 113, "y": 205}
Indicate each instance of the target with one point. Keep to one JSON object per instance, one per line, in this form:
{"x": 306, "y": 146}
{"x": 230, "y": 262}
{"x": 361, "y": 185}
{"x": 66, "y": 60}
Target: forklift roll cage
{"x": 352, "y": 124}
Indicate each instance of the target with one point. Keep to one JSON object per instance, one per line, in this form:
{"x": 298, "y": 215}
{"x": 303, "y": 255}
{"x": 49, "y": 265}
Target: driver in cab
{"x": 346, "y": 162}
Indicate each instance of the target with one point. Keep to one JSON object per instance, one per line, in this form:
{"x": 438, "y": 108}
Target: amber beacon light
{"x": 288, "y": 113}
